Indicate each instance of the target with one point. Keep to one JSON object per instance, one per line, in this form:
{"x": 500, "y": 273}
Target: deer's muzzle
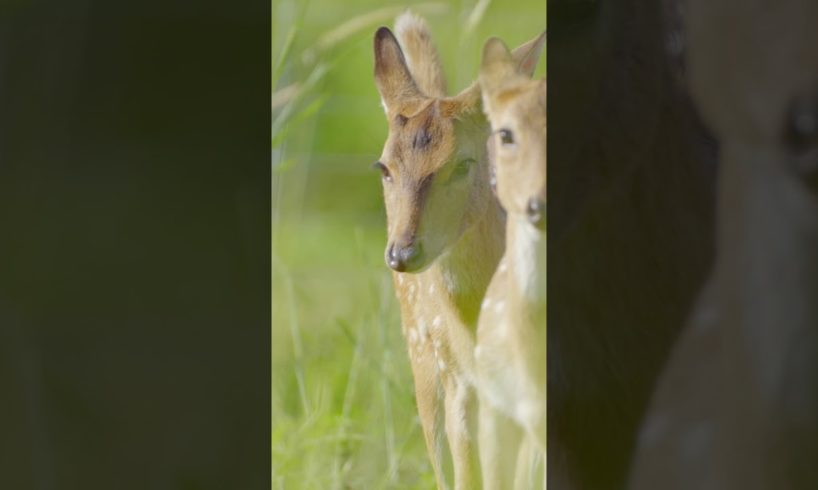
{"x": 403, "y": 257}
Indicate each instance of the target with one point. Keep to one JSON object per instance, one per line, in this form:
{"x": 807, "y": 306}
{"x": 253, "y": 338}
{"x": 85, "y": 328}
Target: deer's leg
{"x": 530, "y": 471}
{"x": 461, "y": 429}
{"x": 500, "y": 439}
{"x": 534, "y": 418}
{"x": 429, "y": 398}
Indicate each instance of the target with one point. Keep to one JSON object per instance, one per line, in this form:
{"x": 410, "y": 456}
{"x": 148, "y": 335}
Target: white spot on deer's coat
{"x": 486, "y": 303}
{"x": 400, "y": 278}
{"x": 498, "y": 308}
{"x": 437, "y": 322}
{"x": 503, "y": 266}
{"x": 528, "y": 412}
{"x": 424, "y": 332}
{"x": 441, "y": 364}
{"x": 431, "y": 289}
{"x": 413, "y": 335}
{"x": 451, "y": 284}
{"x": 478, "y": 351}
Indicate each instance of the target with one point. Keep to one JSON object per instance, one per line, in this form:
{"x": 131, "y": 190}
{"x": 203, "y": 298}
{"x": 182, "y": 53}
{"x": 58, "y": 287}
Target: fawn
{"x": 445, "y": 234}
{"x": 511, "y": 335}
{"x": 737, "y": 405}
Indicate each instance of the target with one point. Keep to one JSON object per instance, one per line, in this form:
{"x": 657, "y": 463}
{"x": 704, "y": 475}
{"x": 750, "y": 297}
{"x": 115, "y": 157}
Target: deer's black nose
{"x": 398, "y": 257}
{"x": 536, "y": 212}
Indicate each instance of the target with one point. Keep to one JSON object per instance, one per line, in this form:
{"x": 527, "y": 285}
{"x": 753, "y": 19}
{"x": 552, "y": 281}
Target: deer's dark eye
{"x": 461, "y": 169}
{"x": 385, "y": 175}
{"x": 506, "y": 137}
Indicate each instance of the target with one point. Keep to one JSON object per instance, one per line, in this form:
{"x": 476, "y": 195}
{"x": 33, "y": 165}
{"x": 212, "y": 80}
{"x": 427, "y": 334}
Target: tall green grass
{"x": 343, "y": 413}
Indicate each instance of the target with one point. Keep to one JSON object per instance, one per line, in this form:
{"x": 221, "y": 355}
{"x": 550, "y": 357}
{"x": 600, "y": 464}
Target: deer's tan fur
{"x": 445, "y": 237}
{"x": 421, "y": 54}
{"x": 431, "y": 200}
{"x": 511, "y": 339}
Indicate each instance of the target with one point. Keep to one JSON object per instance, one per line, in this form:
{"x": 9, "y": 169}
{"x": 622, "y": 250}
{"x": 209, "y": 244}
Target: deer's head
{"x": 516, "y": 105}
{"x": 434, "y": 171}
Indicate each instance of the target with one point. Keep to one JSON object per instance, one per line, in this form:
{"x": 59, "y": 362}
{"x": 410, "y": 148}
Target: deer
{"x": 737, "y": 404}
{"x": 444, "y": 235}
{"x": 511, "y": 335}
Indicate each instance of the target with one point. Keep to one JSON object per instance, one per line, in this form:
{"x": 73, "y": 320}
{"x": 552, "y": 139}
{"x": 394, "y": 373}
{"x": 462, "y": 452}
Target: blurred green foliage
{"x": 343, "y": 413}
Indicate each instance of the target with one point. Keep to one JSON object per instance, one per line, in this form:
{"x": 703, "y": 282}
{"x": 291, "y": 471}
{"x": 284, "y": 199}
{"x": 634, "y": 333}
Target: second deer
{"x": 511, "y": 337}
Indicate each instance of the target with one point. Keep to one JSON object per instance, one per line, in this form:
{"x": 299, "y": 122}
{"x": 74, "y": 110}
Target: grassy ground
{"x": 343, "y": 409}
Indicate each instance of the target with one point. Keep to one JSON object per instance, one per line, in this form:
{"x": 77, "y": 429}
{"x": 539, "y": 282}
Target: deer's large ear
{"x": 392, "y": 77}
{"x": 421, "y": 54}
{"x": 527, "y": 55}
{"x": 497, "y": 66}
{"x": 464, "y": 104}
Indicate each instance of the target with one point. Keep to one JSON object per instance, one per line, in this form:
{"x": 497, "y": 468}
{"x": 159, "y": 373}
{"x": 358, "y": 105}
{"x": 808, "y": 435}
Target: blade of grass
{"x": 283, "y": 96}
{"x": 339, "y": 473}
{"x": 308, "y": 111}
{"x": 356, "y": 24}
{"x": 289, "y": 108}
{"x": 475, "y": 17}
{"x": 283, "y": 55}
{"x": 298, "y": 347}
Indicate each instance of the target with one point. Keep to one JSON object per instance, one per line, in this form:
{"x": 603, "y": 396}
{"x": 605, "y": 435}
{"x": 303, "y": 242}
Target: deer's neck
{"x": 525, "y": 258}
{"x": 465, "y": 271}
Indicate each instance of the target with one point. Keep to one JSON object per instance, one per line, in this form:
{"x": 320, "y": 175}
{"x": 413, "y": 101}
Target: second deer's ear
{"x": 527, "y": 55}
{"x": 497, "y": 66}
{"x": 392, "y": 77}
